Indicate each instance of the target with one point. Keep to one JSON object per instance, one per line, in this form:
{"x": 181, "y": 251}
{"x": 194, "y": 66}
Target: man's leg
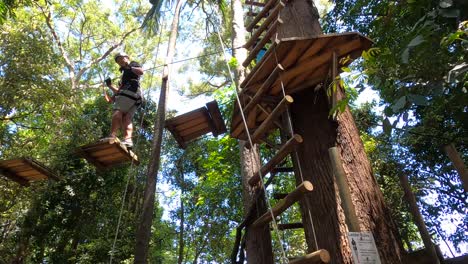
{"x": 127, "y": 125}
{"x": 117, "y": 120}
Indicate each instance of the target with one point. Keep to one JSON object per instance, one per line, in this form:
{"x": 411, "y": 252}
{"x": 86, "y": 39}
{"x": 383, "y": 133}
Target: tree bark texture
{"x": 300, "y": 20}
{"x": 143, "y": 235}
{"x": 458, "y": 163}
{"x": 258, "y": 240}
{"x": 310, "y": 119}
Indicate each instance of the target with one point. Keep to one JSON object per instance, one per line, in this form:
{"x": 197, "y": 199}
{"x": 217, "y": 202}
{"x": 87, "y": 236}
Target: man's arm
{"x": 136, "y": 68}
{"x": 113, "y": 88}
{"x": 109, "y": 84}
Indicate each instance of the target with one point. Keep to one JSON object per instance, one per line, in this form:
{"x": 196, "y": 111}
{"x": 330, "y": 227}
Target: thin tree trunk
{"x": 258, "y": 240}
{"x": 426, "y": 237}
{"x": 143, "y": 234}
{"x": 182, "y": 219}
{"x": 458, "y": 163}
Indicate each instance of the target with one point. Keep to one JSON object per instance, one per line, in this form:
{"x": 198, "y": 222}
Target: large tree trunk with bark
{"x": 143, "y": 235}
{"x": 258, "y": 240}
{"x": 310, "y": 118}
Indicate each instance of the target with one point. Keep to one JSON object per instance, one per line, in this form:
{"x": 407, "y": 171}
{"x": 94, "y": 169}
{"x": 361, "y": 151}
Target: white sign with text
{"x": 363, "y": 248}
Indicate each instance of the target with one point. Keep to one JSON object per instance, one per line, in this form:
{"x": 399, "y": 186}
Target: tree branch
{"x": 48, "y": 17}
{"x": 103, "y": 56}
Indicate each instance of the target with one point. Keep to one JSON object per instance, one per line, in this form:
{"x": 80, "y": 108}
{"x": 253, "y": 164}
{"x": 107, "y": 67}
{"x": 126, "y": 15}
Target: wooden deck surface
{"x": 305, "y": 63}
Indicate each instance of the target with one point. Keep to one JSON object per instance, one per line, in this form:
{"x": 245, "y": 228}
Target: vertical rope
{"x": 291, "y": 130}
{"x": 275, "y": 226}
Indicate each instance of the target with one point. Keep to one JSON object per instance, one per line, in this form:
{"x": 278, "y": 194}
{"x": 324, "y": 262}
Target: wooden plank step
{"x": 254, "y": 52}
{"x": 26, "y": 170}
{"x": 217, "y": 119}
{"x": 285, "y": 150}
{"x": 266, "y": 24}
{"x": 284, "y": 204}
{"x": 290, "y": 226}
{"x": 194, "y": 124}
{"x": 267, "y": 123}
{"x": 317, "y": 257}
{"x": 260, "y": 15}
{"x": 100, "y": 155}
{"x": 248, "y": 2}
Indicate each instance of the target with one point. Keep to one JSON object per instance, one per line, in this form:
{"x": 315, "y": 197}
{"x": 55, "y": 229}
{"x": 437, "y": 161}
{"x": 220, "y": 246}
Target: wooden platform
{"x": 25, "y": 170}
{"x": 303, "y": 63}
{"x": 108, "y": 153}
{"x": 191, "y": 125}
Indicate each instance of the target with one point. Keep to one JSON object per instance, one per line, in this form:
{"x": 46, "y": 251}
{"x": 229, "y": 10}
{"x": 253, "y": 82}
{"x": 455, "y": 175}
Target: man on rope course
{"x": 127, "y": 97}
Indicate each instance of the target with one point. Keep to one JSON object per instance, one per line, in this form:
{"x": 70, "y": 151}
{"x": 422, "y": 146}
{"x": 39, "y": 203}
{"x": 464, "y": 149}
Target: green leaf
{"x": 345, "y": 69}
{"x": 416, "y": 41}
{"x": 450, "y": 13}
{"x": 233, "y": 62}
{"x": 387, "y": 126}
{"x": 418, "y": 99}
{"x": 405, "y": 56}
{"x": 399, "y": 104}
{"x": 445, "y": 3}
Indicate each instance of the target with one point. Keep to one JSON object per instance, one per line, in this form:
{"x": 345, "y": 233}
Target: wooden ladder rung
{"x": 246, "y": 83}
{"x": 284, "y": 204}
{"x": 262, "y": 90}
{"x": 254, "y": 52}
{"x": 317, "y": 257}
{"x": 290, "y": 226}
{"x": 282, "y": 169}
{"x": 273, "y": 16}
{"x": 267, "y": 123}
{"x": 261, "y": 14}
{"x": 257, "y": 98}
{"x": 254, "y": 3}
{"x": 286, "y": 149}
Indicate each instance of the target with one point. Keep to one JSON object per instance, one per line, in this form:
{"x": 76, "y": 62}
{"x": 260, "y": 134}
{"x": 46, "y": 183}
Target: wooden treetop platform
{"x": 107, "y": 153}
{"x": 25, "y": 170}
{"x": 191, "y": 125}
{"x": 299, "y": 63}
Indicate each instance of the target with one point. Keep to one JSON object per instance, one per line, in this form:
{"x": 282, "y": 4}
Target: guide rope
{"x": 284, "y": 258}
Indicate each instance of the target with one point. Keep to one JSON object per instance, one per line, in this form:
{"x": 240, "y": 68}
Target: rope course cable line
{"x": 284, "y": 258}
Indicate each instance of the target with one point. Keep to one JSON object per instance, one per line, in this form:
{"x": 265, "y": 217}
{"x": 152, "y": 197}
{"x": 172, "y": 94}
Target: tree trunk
{"x": 258, "y": 240}
{"x": 458, "y": 163}
{"x": 411, "y": 199}
{"x": 319, "y": 133}
{"x": 309, "y": 114}
{"x": 143, "y": 234}
{"x": 182, "y": 217}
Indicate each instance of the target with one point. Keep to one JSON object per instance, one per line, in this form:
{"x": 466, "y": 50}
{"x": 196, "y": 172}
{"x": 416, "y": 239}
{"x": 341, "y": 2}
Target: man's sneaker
{"x": 109, "y": 138}
{"x": 128, "y": 143}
